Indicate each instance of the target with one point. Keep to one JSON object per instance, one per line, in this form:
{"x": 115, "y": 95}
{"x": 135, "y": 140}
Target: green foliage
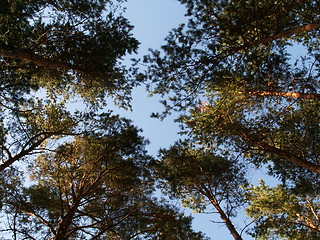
{"x": 10, "y": 180}
{"x": 97, "y": 185}
{"x": 67, "y": 47}
{"x": 293, "y": 129}
{"x": 234, "y": 67}
{"x": 57, "y": 50}
{"x": 198, "y": 176}
{"x": 33, "y": 127}
{"x": 280, "y": 213}
{"x": 83, "y": 175}
{"x": 91, "y": 176}
{"x": 220, "y": 46}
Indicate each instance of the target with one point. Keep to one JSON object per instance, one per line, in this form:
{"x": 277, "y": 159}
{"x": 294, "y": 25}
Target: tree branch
{"x": 36, "y": 58}
{"x": 286, "y": 33}
{"x": 5, "y": 149}
{"x": 66, "y": 221}
{"x": 290, "y": 157}
{"x": 286, "y": 94}
{"x": 24, "y": 152}
{"x": 308, "y": 222}
{"x": 45, "y": 222}
{"x": 27, "y": 150}
{"x": 226, "y": 220}
{"x": 255, "y": 140}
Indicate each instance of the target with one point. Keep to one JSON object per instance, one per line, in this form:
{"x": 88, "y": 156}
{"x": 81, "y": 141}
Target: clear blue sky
{"x": 153, "y": 19}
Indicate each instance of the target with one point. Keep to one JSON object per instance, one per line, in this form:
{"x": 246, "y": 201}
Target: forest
{"x": 243, "y": 100}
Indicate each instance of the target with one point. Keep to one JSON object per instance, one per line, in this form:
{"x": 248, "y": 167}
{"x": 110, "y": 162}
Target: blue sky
{"x": 153, "y": 19}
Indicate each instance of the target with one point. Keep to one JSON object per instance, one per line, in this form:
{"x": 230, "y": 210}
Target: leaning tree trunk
{"x": 233, "y": 231}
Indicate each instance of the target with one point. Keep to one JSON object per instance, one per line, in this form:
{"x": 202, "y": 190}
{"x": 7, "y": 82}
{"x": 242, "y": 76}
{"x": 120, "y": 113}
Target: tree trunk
{"x": 287, "y": 33}
{"x": 233, "y": 231}
{"x": 256, "y": 141}
{"x": 35, "y": 58}
{"x": 66, "y": 221}
{"x": 286, "y": 94}
{"x": 284, "y": 34}
{"x": 290, "y": 157}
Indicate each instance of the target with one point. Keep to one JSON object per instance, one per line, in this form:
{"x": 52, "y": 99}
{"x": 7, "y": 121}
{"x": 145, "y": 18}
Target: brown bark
{"x": 286, "y": 94}
{"x": 233, "y": 231}
{"x": 256, "y": 141}
{"x": 63, "y": 230}
{"x": 45, "y": 222}
{"x": 286, "y": 33}
{"x": 24, "y": 152}
{"x": 65, "y": 222}
{"x": 308, "y": 222}
{"x": 290, "y": 157}
{"x": 36, "y": 58}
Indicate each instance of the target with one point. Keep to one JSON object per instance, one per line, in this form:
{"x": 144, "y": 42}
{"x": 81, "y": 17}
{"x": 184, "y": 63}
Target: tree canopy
{"x": 68, "y": 173}
{"x": 245, "y": 101}
{"x": 97, "y": 186}
{"x": 281, "y": 212}
{"x": 233, "y": 75}
{"x": 201, "y": 178}
{"x": 70, "y": 47}
{"x": 51, "y": 51}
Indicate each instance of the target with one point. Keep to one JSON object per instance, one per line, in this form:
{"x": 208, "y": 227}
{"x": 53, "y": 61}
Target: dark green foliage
{"x": 89, "y": 173}
{"x": 235, "y": 67}
{"x": 91, "y": 176}
{"x": 203, "y": 180}
{"x": 57, "y": 50}
{"x": 67, "y": 47}
{"x": 230, "y": 44}
{"x": 196, "y": 175}
{"x": 33, "y": 127}
{"x": 235, "y": 55}
{"x": 293, "y": 129}
{"x": 97, "y": 186}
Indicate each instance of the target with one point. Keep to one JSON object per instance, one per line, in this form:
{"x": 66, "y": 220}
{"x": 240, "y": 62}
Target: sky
{"x": 153, "y": 19}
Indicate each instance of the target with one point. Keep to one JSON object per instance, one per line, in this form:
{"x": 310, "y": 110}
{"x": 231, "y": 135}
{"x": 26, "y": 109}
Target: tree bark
{"x": 290, "y": 157}
{"x": 35, "y": 58}
{"x": 65, "y": 222}
{"x": 286, "y": 33}
{"x": 286, "y": 94}
{"x": 63, "y": 230}
{"x": 233, "y": 231}
{"x": 24, "y": 152}
{"x": 32, "y": 144}
{"x": 256, "y": 141}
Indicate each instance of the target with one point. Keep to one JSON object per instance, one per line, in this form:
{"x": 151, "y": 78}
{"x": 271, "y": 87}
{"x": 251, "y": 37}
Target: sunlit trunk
{"x": 286, "y": 94}
{"x": 233, "y": 231}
